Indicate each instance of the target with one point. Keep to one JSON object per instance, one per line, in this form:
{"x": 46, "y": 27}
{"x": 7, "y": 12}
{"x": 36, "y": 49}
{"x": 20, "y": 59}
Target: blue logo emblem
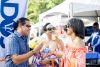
{"x": 7, "y": 25}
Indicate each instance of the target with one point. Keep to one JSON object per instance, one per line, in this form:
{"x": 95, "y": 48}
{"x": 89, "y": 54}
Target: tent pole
{"x": 71, "y": 9}
{"x": 98, "y": 18}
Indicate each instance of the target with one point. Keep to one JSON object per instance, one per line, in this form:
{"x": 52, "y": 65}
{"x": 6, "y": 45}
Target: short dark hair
{"x": 45, "y": 27}
{"x": 21, "y": 21}
{"x": 95, "y": 24}
{"x": 78, "y": 27}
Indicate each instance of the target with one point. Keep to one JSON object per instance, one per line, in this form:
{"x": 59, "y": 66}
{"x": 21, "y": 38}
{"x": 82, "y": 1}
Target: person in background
{"x": 73, "y": 53}
{"x": 94, "y": 40}
{"x": 17, "y": 50}
{"x": 49, "y": 49}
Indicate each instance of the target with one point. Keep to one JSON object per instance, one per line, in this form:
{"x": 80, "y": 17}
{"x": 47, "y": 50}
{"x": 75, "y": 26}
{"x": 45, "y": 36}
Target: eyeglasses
{"x": 28, "y": 26}
{"x": 68, "y": 26}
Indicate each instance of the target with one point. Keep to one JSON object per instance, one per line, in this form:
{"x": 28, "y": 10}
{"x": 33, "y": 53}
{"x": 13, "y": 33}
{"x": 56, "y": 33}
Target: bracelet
{"x": 33, "y": 52}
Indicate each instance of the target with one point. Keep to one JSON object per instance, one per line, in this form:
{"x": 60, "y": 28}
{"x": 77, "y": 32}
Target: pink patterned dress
{"x": 73, "y": 57}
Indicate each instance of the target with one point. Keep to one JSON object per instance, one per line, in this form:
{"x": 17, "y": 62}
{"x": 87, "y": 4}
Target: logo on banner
{"x": 8, "y": 23}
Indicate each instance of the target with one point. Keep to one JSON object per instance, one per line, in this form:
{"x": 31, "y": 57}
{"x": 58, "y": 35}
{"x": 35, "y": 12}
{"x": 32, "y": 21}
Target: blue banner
{"x": 10, "y": 11}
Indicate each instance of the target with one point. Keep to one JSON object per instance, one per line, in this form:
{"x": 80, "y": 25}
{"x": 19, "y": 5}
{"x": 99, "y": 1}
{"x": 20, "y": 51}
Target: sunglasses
{"x": 95, "y": 27}
{"x": 28, "y": 26}
{"x": 50, "y": 29}
{"x": 66, "y": 26}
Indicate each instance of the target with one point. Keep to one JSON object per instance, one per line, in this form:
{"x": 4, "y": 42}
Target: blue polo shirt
{"x": 16, "y": 44}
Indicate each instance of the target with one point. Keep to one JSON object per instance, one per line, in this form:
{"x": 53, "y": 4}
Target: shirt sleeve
{"x": 12, "y": 46}
{"x": 98, "y": 42}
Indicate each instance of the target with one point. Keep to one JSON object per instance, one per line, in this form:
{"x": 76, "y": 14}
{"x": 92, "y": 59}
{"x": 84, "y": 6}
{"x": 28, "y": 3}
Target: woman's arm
{"x": 60, "y": 43}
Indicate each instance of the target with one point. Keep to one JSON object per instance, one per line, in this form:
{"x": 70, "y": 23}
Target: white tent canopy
{"x": 73, "y": 9}
{"x": 59, "y": 9}
{"x": 85, "y": 10}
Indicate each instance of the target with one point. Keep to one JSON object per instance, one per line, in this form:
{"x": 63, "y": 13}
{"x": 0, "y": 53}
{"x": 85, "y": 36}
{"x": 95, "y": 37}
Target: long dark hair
{"x": 45, "y": 27}
{"x": 78, "y": 27}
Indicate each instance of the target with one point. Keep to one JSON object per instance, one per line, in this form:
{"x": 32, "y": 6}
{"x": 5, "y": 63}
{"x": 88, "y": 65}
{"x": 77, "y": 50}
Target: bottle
{"x": 90, "y": 49}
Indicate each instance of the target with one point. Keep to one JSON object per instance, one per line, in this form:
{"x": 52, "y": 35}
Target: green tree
{"x": 37, "y": 7}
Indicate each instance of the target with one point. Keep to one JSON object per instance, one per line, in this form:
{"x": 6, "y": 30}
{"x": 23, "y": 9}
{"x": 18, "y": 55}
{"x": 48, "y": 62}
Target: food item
{"x": 32, "y": 44}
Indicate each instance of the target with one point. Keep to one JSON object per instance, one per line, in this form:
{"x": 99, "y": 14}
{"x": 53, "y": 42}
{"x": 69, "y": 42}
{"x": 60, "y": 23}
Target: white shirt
{"x": 94, "y": 35}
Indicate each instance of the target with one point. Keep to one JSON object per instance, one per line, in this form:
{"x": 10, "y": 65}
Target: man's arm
{"x": 17, "y": 59}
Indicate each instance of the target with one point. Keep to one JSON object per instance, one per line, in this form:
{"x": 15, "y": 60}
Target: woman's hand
{"x": 52, "y": 53}
{"x": 45, "y": 61}
{"x": 38, "y": 47}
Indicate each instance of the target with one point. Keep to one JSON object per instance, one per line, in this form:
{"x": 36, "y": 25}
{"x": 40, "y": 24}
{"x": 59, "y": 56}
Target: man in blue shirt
{"x": 94, "y": 39}
{"x": 17, "y": 50}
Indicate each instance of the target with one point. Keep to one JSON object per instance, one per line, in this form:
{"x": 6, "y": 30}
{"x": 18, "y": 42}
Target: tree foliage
{"x": 37, "y": 7}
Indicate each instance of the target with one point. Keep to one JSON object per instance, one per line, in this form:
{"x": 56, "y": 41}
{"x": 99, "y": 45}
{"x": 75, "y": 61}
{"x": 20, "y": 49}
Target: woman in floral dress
{"x": 73, "y": 53}
{"x": 46, "y": 55}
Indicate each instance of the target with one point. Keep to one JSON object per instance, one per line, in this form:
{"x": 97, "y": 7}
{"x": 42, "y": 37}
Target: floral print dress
{"x": 74, "y": 57}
